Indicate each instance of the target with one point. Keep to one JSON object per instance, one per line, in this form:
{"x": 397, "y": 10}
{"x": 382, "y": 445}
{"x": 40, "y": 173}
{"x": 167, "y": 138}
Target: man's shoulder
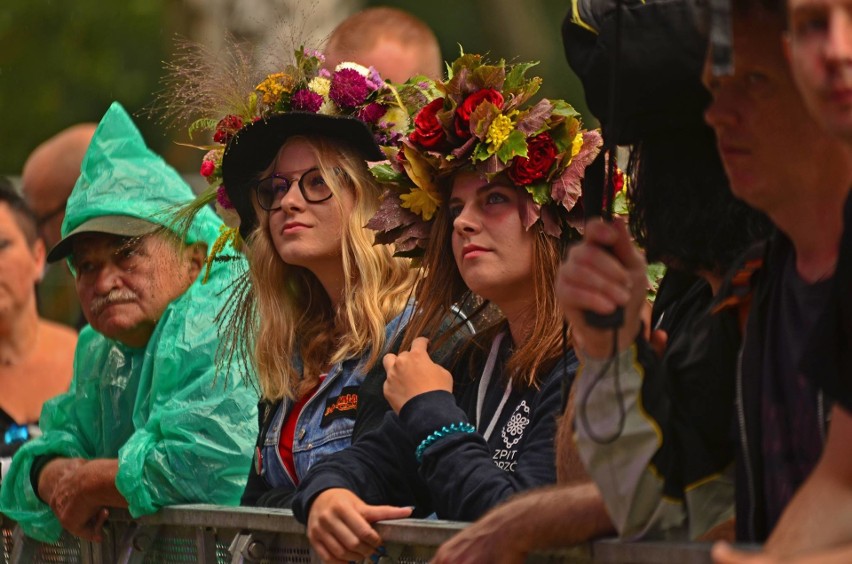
{"x": 206, "y": 297}
{"x": 193, "y": 316}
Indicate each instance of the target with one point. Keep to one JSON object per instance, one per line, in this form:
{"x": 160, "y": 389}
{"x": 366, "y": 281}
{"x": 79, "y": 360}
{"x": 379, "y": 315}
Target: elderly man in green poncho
{"x": 149, "y": 421}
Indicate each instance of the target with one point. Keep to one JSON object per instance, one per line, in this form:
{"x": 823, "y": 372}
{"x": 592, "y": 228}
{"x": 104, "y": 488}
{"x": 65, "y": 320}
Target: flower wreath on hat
{"x": 481, "y": 123}
{"x": 304, "y": 87}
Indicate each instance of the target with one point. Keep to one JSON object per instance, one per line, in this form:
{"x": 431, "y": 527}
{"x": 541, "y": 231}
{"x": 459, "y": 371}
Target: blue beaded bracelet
{"x": 439, "y": 434}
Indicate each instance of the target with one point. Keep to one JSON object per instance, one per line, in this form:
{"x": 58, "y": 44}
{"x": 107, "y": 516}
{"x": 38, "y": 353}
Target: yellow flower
{"x": 576, "y": 144}
{"x": 499, "y": 131}
{"x": 273, "y": 86}
{"x": 320, "y": 85}
{"x": 420, "y": 202}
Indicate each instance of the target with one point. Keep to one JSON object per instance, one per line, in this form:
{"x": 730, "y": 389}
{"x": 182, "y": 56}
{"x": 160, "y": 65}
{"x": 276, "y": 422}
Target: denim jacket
{"x": 323, "y": 427}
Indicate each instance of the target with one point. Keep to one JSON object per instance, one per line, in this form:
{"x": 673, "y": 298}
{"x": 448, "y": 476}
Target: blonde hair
{"x": 294, "y": 315}
{"x": 442, "y": 287}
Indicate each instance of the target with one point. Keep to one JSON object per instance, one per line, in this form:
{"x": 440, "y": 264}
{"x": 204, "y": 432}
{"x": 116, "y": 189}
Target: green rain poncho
{"x": 182, "y": 433}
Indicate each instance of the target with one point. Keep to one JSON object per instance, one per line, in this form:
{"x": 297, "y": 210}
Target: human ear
{"x": 39, "y": 254}
{"x": 196, "y": 257}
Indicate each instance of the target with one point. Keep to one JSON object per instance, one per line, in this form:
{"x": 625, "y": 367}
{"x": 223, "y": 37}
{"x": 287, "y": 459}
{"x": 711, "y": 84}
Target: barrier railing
{"x": 209, "y": 534}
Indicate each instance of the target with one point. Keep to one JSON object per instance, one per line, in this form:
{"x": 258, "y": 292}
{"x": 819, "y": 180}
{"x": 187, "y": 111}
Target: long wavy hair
{"x": 294, "y": 315}
{"x": 442, "y": 287}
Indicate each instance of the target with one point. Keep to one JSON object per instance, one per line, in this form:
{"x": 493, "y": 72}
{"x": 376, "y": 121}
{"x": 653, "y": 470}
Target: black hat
{"x": 660, "y": 60}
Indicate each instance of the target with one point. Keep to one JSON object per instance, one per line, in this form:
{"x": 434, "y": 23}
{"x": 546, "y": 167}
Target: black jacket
{"x": 461, "y": 475}
{"x": 750, "y": 285}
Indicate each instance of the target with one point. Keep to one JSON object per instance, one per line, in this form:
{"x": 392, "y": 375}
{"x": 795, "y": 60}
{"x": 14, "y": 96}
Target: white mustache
{"x": 119, "y": 295}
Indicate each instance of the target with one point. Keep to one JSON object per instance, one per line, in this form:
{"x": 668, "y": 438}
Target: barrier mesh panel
{"x": 65, "y": 551}
{"x": 172, "y": 550}
{"x": 7, "y": 544}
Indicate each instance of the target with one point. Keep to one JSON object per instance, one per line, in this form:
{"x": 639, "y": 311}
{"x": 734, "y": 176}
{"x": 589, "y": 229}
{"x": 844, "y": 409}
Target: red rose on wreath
{"x": 541, "y": 154}
{"x": 619, "y": 180}
{"x": 226, "y": 128}
{"x": 207, "y": 168}
{"x": 428, "y": 132}
{"x": 462, "y": 121}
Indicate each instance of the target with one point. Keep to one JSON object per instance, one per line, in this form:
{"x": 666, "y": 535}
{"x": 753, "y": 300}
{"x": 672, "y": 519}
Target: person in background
{"x": 47, "y": 179}
{"x": 149, "y": 421}
{"x": 397, "y": 44}
{"x": 36, "y": 355}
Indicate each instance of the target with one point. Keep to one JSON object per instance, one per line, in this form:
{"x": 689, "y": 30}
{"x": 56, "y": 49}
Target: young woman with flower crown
{"x": 323, "y": 303}
{"x": 464, "y": 439}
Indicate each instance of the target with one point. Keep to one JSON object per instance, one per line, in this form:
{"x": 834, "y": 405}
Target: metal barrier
{"x": 196, "y": 534}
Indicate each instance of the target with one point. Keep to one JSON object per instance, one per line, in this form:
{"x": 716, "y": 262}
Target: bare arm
{"x": 557, "y": 516}
{"x": 52, "y": 474}
{"x": 820, "y": 514}
{"x": 724, "y": 554}
{"x": 79, "y": 491}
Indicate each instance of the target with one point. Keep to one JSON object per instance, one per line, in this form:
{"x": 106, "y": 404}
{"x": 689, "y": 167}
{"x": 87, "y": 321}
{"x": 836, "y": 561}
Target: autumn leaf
{"x": 567, "y": 188}
{"x": 540, "y": 192}
{"x": 515, "y": 79}
{"x": 384, "y": 172}
{"x": 530, "y": 212}
{"x": 481, "y": 118}
{"x": 391, "y": 214}
{"x": 534, "y": 119}
{"x": 514, "y": 146}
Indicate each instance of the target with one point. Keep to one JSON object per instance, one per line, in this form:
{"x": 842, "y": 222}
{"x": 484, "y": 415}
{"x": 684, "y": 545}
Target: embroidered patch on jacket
{"x": 344, "y": 405}
{"x": 513, "y": 431}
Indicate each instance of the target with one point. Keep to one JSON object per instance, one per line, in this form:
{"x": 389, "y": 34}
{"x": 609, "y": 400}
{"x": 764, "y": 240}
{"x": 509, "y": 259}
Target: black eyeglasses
{"x": 312, "y": 185}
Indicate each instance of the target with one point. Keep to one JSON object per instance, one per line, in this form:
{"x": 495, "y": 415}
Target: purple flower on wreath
{"x": 324, "y": 73}
{"x": 387, "y": 138}
{"x": 348, "y": 88}
{"x": 306, "y": 101}
{"x": 222, "y": 198}
{"x": 375, "y": 79}
{"x": 315, "y": 54}
{"x": 372, "y": 112}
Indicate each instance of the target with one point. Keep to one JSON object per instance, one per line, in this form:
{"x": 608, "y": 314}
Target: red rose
{"x": 470, "y": 103}
{"x": 541, "y": 154}
{"x": 207, "y": 168}
{"x": 428, "y": 132}
{"x": 226, "y": 128}
{"x": 619, "y": 180}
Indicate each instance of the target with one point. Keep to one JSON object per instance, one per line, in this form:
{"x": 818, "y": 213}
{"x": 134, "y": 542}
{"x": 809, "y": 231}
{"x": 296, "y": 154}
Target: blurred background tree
{"x": 63, "y": 62}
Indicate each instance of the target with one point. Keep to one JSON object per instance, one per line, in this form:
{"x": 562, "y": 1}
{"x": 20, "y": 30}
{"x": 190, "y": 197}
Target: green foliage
{"x": 386, "y": 173}
{"x": 64, "y": 62}
{"x": 656, "y": 271}
{"x": 514, "y": 146}
{"x": 540, "y": 192}
{"x": 516, "y": 77}
{"x": 203, "y": 125}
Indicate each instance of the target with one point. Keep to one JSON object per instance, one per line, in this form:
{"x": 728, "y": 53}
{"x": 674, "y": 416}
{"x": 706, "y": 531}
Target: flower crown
{"x": 304, "y": 87}
{"x": 479, "y": 123}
